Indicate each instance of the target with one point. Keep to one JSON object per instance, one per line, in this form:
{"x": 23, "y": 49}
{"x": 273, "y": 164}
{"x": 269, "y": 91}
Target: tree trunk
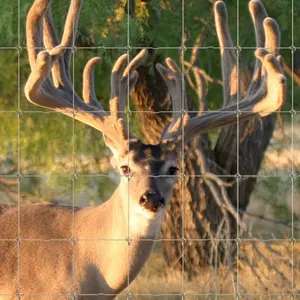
{"x": 198, "y": 215}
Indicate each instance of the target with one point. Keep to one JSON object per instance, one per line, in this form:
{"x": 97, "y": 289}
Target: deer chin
{"x": 144, "y": 223}
{"x": 148, "y": 214}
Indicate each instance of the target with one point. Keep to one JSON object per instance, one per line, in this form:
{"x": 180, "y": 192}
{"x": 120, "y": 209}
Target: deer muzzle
{"x": 152, "y": 201}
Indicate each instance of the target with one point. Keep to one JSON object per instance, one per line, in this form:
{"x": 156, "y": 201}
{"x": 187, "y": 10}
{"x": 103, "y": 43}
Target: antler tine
{"x": 228, "y": 54}
{"x": 70, "y": 30}
{"x": 61, "y": 70}
{"x": 34, "y": 29}
{"x": 116, "y": 78}
{"x": 201, "y": 90}
{"x": 173, "y": 78}
{"x": 123, "y": 80}
{"x": 176, "y": 90}
{"x": 88, "y": 90}
{"x": 258, "y": 14}
{"x": 60, "y": 74}
{"x": 267, "y": 35}
{"x": 272, "y": 33}
{"x": 49, "y": 34}
{"x": 71, "y": 24}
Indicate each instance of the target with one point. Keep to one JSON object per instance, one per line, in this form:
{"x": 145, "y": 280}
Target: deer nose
{"x": 152, "y": 200}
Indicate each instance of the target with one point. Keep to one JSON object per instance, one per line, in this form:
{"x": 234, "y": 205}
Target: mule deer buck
{"x": 59, "y": 251}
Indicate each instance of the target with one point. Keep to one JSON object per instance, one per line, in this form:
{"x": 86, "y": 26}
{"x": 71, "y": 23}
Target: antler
{"x": 175, "y": 83}
{"x": 265, "y": 94}
{"x": 56, "y": 92}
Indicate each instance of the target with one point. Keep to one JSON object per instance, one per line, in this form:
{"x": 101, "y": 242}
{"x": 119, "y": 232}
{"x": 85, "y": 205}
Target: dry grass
{"x": 267, "y": 275}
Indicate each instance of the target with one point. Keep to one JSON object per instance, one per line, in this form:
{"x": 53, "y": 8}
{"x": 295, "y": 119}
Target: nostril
{"x": 161, "y": 201}
{"x": 143, "y": 200}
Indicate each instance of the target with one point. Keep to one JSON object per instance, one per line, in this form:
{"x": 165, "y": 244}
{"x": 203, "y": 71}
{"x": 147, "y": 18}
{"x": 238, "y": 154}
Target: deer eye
{"x": 172, "y": 171}
{"x": 125, "y": 170}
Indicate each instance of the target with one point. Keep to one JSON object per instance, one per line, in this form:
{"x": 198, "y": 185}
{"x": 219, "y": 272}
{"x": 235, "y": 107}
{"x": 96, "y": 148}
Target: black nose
{"x": 152, "y": 200}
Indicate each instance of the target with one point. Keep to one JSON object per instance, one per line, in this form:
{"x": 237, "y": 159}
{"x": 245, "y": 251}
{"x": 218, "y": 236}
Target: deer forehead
{"x": 153, "y": 158}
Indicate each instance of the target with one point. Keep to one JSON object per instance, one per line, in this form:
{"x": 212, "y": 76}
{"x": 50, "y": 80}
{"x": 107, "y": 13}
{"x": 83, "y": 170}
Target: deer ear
{"x": 113, "y": 162}
{"x": 110, "y": 144}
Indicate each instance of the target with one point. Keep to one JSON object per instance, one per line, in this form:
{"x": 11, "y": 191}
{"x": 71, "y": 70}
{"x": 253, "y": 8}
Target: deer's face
{"x": 148, "y": 174}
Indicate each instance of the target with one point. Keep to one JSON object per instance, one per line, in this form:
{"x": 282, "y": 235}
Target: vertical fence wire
{"x": 19, "y": 171}
{"x": 293, "y": 177}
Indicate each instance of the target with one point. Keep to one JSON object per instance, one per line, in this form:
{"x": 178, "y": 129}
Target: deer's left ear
{"x": 113, "y": 162}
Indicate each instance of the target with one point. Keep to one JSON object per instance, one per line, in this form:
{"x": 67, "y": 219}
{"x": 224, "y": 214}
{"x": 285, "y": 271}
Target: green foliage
{"x": 9, "y": 92}
{"x": 9, "y": 23}
{"x": 282, "y": 212}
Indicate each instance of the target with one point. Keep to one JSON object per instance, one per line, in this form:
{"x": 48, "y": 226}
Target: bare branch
{"x": 292, "y": 74}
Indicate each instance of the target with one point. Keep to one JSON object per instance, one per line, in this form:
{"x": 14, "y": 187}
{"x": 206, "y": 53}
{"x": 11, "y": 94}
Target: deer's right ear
{"x": 110, "y": 144}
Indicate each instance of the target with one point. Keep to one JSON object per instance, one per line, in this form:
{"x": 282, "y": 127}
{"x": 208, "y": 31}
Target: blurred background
{"x": 40, "y": 151}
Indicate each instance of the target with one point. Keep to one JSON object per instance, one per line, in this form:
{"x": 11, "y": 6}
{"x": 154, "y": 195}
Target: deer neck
{"x": 115, "y": 256}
